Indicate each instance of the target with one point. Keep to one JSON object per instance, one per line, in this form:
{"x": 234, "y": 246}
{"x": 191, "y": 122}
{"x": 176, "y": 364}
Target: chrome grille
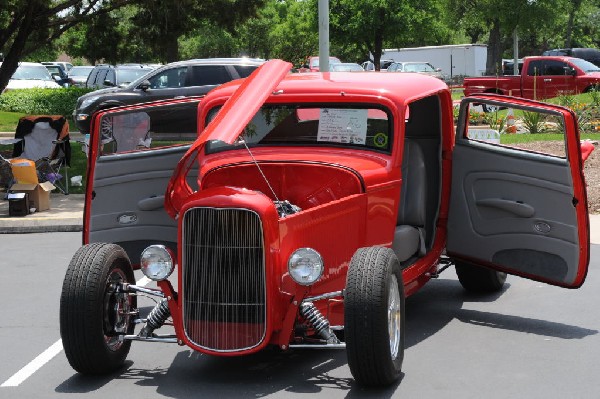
{"x": 223, "y": 281}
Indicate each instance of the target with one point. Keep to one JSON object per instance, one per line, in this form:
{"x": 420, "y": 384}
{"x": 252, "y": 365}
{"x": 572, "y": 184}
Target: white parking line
{"x": 34, "y": 365}
{"x": 45, "y": 356}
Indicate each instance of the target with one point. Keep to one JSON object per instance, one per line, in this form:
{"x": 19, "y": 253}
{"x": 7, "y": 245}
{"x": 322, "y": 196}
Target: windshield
{"x": 585, "y": 65}
{"x": 315, "y": 61}
{"x": 359, "y": 127}
{"x": 80, "y": 71}
{"x": 346, "y": 68}
{"x": 31, "y": 72}
{"x": 418, "y": 68}
{"x": 126, "y": 76}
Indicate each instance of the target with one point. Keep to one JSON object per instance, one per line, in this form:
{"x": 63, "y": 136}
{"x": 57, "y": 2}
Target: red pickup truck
{"x": 541, "y": 77}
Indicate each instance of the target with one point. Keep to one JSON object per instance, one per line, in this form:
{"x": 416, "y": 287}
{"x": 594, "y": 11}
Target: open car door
{"x": 132, "y": 154}
{"x": 515, "y": 210}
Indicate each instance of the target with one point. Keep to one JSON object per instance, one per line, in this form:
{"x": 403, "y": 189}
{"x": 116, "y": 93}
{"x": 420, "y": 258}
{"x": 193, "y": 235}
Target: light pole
{"x": 324, "y": 35}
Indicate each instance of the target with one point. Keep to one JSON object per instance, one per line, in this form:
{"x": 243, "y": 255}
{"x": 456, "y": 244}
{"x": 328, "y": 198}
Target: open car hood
{"x": 227, "y": 125}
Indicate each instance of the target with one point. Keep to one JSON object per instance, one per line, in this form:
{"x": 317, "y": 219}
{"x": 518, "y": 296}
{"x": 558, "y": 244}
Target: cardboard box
{"x": 25, "y": 174}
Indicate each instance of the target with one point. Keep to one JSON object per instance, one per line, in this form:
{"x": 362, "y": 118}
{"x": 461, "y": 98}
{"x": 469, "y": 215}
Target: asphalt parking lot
{"x": 531, "y": 341}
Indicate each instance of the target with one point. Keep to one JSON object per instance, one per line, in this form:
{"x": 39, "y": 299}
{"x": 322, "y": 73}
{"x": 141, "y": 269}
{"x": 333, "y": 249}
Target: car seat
{"x": 409, "y": 235}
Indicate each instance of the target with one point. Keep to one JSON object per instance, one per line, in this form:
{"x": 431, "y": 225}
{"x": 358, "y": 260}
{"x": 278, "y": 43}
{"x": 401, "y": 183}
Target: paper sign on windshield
{"x": 343, "y": 125}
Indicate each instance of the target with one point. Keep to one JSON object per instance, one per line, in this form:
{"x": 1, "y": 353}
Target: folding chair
{"x": 45, "y": 140}
{"x": 6, "y": 176}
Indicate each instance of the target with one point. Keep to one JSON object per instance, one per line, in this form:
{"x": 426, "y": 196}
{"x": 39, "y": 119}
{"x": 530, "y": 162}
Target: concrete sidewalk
{"x": 65, "y": 214}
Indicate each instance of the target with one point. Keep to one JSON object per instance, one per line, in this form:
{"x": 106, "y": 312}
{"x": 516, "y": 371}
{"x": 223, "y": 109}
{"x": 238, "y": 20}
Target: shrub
{"x": 42, "y": 101}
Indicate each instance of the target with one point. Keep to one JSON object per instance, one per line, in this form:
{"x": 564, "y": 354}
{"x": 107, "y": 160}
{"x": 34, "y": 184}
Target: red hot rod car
{"x": 304, "y": 213}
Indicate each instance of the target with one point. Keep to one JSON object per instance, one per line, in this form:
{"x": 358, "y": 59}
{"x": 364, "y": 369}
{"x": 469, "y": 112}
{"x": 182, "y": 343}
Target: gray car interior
{"x": 421, "y": 181}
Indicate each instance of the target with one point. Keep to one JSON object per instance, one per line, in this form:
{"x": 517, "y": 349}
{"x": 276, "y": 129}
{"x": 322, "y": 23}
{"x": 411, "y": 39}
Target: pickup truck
{"x": 541, "y": 77}
{"x": 305, "y": 212}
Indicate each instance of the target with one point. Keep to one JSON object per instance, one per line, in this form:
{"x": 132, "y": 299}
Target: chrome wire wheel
{"x": 394, "y": 317}
{"x": 117, "y": 306}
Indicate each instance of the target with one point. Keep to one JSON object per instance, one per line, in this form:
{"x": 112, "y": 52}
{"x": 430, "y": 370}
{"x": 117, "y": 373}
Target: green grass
{"x": 9, "y": 120}
{"x": 527, "y": 138}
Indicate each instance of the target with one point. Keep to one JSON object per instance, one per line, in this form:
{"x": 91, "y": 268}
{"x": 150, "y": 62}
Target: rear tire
{"x": 93, "y": 313}
{"x": 479, "y": 279}
{"x": 374, "y": 317}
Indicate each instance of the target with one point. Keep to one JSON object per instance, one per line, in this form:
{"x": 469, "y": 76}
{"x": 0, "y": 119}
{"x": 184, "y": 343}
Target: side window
{"x": 154, "y": 127}
{"x": 203, "y": 75}
{"x": 100, "y": 77}
{"x": 535, "y": 130}
{"x": 110, "y": 75}
{"x": 534, "y": 68}
{"x": 552, "y": 67}
{"x": 169, "y": 78}
{"x": 244, "y": 70}
{"x": 92, "y": 77}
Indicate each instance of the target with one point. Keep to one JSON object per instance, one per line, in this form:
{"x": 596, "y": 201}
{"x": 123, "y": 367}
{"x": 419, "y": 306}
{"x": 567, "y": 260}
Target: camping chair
{"x": 6, "y": 176}
{"x": 45, "y": 140}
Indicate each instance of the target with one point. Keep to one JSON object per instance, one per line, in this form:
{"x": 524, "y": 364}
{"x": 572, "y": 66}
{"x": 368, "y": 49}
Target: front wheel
{"x": 479, "y": 279}
{"x": 94, "y": 310}
{"x": 374, "y": 316}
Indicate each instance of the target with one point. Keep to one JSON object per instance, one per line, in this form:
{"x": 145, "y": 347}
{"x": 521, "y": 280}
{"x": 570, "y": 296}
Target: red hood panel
{"x": 227, "y": 125}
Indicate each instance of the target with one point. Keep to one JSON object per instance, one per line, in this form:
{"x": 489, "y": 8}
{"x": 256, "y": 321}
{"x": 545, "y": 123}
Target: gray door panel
{"x": 127, "y": 204}
{"x": 515, "y": 210}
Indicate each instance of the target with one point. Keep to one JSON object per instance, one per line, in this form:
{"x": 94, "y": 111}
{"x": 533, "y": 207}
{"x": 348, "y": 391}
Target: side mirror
{"x": 570, "y": 71}
{"x": 144, "y": 86}
{"x": 108, "y": 83}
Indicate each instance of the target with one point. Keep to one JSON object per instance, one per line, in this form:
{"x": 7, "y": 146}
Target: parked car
{"x": 103, "y": 76}
{"x": 78, "y": 75}
{"x": 311, "y": 64}
{"x": 305, "y": 212}
{"x": 66, "y": 65}
{"x": 59, "y": 74}
{"x": 384, "y": 64}
{"x": 175, "y": 80}
{"x": 31, "y": 75}
{"x": 346, "y": 67}
{"x": 589, "y": 54}
{"x": 419, "y": 67}
{"x": 541, "y": 77}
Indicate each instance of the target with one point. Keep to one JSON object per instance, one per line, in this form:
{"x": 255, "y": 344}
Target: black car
{"x": 103, "y": 76}
{"x": 589, "y": 54}
{"x": 175, "y": 80}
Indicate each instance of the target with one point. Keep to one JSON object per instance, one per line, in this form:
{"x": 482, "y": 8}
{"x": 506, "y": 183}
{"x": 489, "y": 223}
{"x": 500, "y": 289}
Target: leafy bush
{"x": 42, "y": 101}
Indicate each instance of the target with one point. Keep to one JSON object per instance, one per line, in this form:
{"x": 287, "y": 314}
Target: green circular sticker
{"x": 380, "y": 140}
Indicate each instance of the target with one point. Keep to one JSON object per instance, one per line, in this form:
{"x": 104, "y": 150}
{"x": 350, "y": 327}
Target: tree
{"x": 161, "y": 24}
{"x": 373, "y": 23}
{"x": 502, "y": 18}
{"x": 28, "y": 25}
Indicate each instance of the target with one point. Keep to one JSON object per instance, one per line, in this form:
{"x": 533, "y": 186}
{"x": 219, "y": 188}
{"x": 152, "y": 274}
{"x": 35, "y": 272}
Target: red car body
{"x": 541, "y": 77}
{"x": 353, "y": 167}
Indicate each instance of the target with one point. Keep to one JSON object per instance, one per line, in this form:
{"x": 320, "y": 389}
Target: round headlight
{"x": 156, "y": 262}
{"x": 305, "y": 266}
